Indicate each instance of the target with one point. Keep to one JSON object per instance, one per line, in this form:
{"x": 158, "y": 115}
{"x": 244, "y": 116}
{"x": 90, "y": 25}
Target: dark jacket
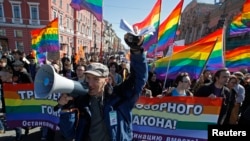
{"x": 206, "y": 90}
{"x": 124, "y": 98}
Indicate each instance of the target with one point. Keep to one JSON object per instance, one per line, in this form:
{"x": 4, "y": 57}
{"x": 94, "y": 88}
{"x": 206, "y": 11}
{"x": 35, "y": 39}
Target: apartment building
{"x": 77, "y": 29}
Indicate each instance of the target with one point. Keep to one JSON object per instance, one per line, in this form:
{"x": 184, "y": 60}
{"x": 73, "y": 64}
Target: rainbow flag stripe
{"x": 187, "y": 126}
{"x": 46, "y": 39}
{"x": 192, "y": 59}
{"x": 166, "y": 32}
{"x": 168, "y": 28}
{"x": 22, "y": 107}
{"x": 152, "y": 19}
{"x": 241, "y": 22}
{"x": 238, "y": 58}
{"x": 216, "y": 59}
{"x": 93, "y": 6}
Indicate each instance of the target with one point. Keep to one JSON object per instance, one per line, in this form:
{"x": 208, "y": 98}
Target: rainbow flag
{"x": 158, "y": 118}
{"x": 168, "y": 28}
{"x": 46, "y": 39}
{"x": 167, "y": 31}
{"x": 238, "y": 58}
{"x": 192, "y": 59}
{"x": 153, "y": 19}
{"x": 24, "y": 110}
{"x": 216, "y": 59}
{"x": 93, "y": 6}
{"x": 246, "y": 12}
{"x": 241, "y": 23}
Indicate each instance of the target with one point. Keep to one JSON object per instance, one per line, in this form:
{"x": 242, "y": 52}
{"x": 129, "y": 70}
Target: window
{"x": 60, "y": 5}
{"x": 61, "y": 39}
{"x": 71, "y": 24}
{"x": 60, "y": 19}
{"x": 1, "y": 11}
{"x": 79, "y": 27}
{"x": 34, "y": 12}
{"x": 67, "y": 24}
{"x": 54, "y": 14}
{"x": 2, "y": 32}
{"x": 18, "y": 33}
{"x": 54, "y": 1}
{"x": 16, "y": 11}
{"x": 19, "y": 46}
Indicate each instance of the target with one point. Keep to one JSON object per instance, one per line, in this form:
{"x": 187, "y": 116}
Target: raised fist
{"x": 134, "y": 42}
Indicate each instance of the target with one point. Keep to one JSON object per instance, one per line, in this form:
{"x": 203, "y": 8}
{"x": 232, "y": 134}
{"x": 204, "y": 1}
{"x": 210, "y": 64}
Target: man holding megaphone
{"x": 111, "y": 117}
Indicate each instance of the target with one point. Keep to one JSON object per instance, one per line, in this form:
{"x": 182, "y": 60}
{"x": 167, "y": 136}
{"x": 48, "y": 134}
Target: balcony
{"x": 34, "y": 22}
{"x": 2, "y": 20}
{"x": 17, "y": 20}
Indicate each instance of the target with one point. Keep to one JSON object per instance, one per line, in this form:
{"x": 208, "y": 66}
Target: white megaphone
{"x": 47, "y": 81}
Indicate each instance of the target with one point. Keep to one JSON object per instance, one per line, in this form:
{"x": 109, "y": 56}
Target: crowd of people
{"x": 232, "y": 87}
{"x": 104, "y": 113}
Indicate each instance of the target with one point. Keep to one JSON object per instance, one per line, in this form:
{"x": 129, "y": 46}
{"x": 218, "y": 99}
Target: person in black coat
{"x": 218, "y": 89}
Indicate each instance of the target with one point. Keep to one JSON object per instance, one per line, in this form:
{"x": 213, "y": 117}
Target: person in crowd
{"x": 68, "y": 117}
{"x": 20, "y": 75}
{"x": 110, "y": 117}
{"x": 111, "y": 59}
{"x": 74, "y": 59}
{"x": 154, "y": 84}
{"x": 18, "y": 55}
{"x": 113, "y": 67}
{"x": 110, "y": 85}
{"x": 6, "y": 74}
{"x": 3, "y": 63}
{"x": 244, "y": 119}
{"x": 230, "y": 118}
{"x": 48, "y": 134}
{"x": 124, "y": 72}
{"x": 58, "y": 63}
{"x": 69, "y": 112}
{"x": 205, "y": 79}
{"x": 32, "y": 67}
{"x": 218, "y": 89}
{"x": 146, "y": 92}
{"x": 240, "y": 96}
{"x": 80, "y": 76}
{"x": 82, "y": 121}
{"x": 182, "y": 83}
{"x": 82, "y": 61}
{"x": 9, "y": 57}
{"x": 64, "y": 59}
{"x": 67, "y": 71}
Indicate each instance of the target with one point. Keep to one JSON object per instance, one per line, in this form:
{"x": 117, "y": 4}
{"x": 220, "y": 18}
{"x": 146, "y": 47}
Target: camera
{"x": 133, "y": 39}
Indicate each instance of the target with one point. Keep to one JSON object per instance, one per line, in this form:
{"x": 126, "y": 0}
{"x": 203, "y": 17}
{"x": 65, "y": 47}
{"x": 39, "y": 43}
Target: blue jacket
{"x": 124, "y": 98}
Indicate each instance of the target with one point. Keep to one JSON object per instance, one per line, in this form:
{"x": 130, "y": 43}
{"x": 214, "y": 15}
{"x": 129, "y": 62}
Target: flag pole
{"x": 100, "y": 54}
{"x": 173, "y": 44}
{"x": 203, "y": 69}
{"x": 169, "y": 61}
{"x": 224, "y": 43}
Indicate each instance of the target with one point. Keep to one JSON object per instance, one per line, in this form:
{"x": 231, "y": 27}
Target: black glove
{"x": 134, "y": 42}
